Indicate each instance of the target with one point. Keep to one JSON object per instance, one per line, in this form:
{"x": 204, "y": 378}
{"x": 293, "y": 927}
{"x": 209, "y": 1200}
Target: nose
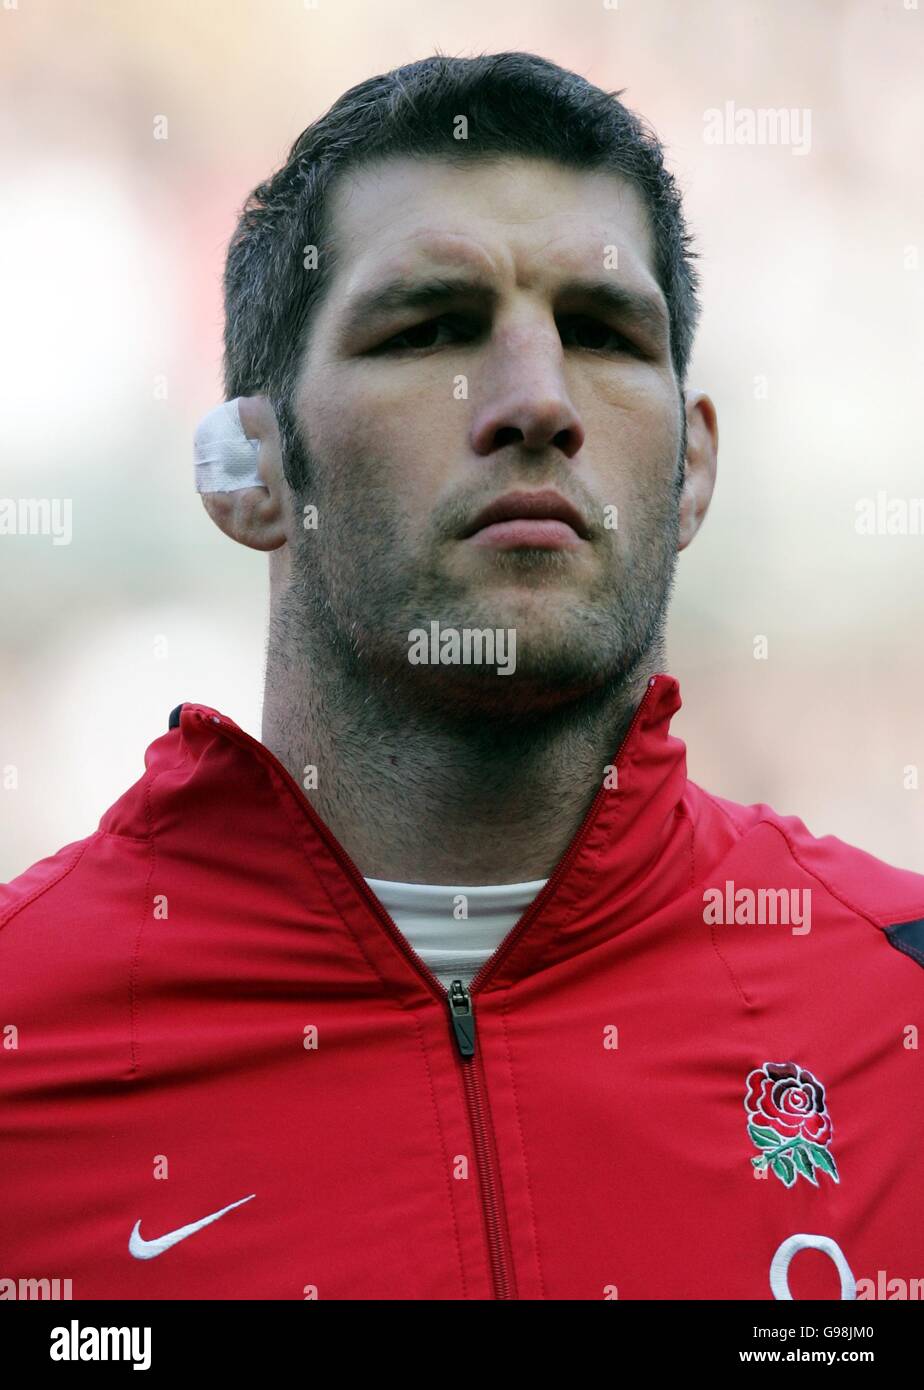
{"x": 524, "y": 396}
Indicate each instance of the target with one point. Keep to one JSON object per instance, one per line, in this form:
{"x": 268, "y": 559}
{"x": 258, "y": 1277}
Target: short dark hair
{"x": 516, "y": 105}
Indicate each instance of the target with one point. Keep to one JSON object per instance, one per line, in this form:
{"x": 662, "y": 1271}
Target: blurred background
{"x": 112, "y": 247}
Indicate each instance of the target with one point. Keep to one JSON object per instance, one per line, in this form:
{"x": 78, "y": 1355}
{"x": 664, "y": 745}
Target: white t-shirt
{"x": 453, "y": 946}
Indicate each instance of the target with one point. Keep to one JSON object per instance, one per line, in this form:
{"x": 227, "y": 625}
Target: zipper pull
{"x": 462, "y": 1017}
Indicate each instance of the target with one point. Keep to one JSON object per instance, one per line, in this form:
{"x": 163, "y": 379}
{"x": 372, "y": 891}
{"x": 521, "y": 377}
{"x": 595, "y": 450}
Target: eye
{"x": 422, "y": 336}
{"x": 594, "y": 336}
{"x": 589, "y": 334}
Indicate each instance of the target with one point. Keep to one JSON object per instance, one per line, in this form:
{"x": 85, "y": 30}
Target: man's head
{"x": 502, "y": 300}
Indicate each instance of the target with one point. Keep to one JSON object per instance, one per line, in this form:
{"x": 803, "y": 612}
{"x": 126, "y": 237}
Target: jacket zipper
{"x": 458, "y": 997}
{"x": 462, "y": 1016}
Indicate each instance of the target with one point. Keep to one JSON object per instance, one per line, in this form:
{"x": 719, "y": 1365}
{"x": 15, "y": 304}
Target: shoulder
{"x": 888, "y": 897}
{"x": 73, "y": 891}
{"x": 40, "y": 878}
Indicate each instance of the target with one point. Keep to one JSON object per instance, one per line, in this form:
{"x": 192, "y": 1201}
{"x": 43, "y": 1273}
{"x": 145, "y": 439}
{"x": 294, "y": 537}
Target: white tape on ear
{"x": 226, "y": 460}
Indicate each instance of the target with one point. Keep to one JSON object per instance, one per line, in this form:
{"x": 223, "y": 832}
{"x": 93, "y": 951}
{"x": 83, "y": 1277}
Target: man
{"x": 454, "y": 986}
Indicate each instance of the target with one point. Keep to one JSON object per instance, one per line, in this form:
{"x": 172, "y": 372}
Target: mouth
{"x": 535, "y": 520}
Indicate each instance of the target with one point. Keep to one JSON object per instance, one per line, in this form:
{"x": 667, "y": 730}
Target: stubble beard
{"x": 346, "y": 616}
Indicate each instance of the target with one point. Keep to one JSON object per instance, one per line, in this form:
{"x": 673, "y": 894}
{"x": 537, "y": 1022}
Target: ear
{"x": 255, "y": 516}
{"x": 699, "y": 464}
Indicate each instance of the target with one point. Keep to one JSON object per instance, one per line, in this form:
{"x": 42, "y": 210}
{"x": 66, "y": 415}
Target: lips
{"x": 546, "y": 505}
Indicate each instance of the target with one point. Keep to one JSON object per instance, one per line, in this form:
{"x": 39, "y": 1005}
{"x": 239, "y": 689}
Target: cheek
{"x": 373, "y": 412}
{"x": 394, "y": 441}
{"x": 634, "y": 456}
{"x": 638, "y": 415}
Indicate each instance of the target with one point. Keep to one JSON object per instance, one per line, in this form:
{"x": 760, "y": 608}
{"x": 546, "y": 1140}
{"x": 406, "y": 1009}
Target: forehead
{"x": 526, "y": 221}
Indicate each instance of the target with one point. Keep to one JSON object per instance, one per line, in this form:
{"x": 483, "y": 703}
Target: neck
{"x": 420, "y": 798}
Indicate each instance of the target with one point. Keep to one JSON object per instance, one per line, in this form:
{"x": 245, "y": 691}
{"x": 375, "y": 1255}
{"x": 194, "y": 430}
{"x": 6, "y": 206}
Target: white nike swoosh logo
{"x": 148, "y": 1249}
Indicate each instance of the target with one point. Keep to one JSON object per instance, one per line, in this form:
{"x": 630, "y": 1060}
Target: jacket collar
{"x": 209, "y": 783}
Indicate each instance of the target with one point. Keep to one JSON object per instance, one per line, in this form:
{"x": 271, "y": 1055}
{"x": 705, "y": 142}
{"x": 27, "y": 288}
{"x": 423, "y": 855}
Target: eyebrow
{"x": 635, "y": 306}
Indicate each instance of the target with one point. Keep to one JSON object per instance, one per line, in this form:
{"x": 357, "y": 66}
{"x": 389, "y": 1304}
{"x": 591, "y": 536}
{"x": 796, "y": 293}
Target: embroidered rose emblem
{"x": 789, "y": 1122}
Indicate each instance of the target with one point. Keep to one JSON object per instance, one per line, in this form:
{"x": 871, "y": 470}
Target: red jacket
{"x": 207, "y": 1014}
